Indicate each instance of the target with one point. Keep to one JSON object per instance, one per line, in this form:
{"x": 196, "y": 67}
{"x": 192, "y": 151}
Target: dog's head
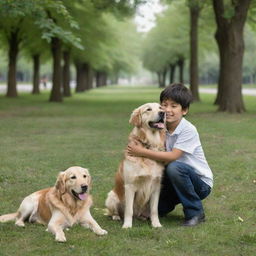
{"x": 149, "y": 115}
{"x": 75, "y": 181}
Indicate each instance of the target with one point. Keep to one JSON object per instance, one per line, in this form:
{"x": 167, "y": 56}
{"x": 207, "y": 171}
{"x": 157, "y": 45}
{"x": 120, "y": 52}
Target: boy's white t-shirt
{"x": 186, "y": 138}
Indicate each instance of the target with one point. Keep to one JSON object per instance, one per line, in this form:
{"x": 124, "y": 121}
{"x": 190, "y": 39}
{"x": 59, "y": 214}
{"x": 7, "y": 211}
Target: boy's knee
{"x": 173, "y": 170}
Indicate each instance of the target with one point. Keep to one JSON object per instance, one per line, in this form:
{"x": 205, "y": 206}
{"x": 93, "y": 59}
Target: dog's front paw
{"x": 127, "y": 225}
{"x": 116, "y": 217}
{"x": 101, "y": 232}
{"x": 72, "y": 222}
{"x": 156, "y": 224}
{"x": 60, "y": 238}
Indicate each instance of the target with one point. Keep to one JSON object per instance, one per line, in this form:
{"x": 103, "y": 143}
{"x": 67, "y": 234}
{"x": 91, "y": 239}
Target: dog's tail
{"x": 9, "y": 217}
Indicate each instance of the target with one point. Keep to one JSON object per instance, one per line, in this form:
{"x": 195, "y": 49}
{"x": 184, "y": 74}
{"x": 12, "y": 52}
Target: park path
{"x": 28, "y": 88}
{"x": 245, "y": 91}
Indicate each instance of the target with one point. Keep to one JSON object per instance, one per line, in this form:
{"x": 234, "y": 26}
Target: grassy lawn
{"x": 39, "y": 139}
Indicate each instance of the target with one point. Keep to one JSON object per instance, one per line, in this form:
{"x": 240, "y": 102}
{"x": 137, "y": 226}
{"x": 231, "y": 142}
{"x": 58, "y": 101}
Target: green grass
{"x": 39, "y": 139}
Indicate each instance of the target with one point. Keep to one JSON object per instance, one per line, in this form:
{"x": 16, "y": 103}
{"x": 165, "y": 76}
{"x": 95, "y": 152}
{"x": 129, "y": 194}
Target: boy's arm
{"x": 166, "y": 157}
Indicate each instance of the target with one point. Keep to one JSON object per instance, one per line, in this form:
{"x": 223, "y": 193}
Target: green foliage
{"x": 169, "y": 39}
{"x": 15, "y": 8}
{"x": 56, "y": 21}
{"x": 92, "y": 29}
{"x": 118, "y": 8}
{"x": 252, "y": 14}
{"x": 251, "y": 18}
{"x": 44, "y": 14}
{"x": 229, "y": 8}
{"x": 250, "y": 51}
{"x": 122, "y": 47}
{"x": 50, "y": 29}
{"x": 94, "y": 33}
{"x": 106, "y": 46}
{"x": 196, "y": 4}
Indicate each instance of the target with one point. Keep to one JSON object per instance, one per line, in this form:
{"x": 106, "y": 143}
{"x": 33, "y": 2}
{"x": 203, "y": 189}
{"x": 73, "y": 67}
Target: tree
{"x": 250, "y": 37}
{"x": 166, "y": 45}
{"x": 11, "y": 27}
{"x": 33, "y": 47}
{"x": 66, "y": 73}
{"x": 108, "y": 51}
{"x": 195, "y": 7}
{"x": 15, "y": 14}
{"x": 121, "y": 50}
{"x": 250, "y": 55}
{"x": 57, "y": 25}
{"x": 230, "y": 20}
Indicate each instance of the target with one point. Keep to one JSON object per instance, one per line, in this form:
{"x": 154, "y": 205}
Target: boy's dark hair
{"x": 178, "y": 93}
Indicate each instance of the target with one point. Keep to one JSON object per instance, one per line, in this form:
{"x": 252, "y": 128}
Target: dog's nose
{"x": 161, "y": 114}
{"x": 84, "y": 188}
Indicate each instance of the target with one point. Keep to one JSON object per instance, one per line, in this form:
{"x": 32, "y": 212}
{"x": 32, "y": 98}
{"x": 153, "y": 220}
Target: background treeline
{"x": 98, "y": 38}
{"x": 206, "y": 36}
{"x": 96, "y": 41}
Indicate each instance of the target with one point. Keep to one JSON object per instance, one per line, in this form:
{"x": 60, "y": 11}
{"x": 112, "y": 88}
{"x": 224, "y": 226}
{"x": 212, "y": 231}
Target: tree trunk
{"x": 101, "y": 78}
{"x": 253, "y": 78}
{"x": 90, "y": 76}
{"x": 172, "y": 73}
{"x": 104, "y": 79}
{"x": 181, "y": 69}
{"x": 229, "y": 37}
{"x": 159, "y": 79}
{"x": 12, "y": 65}
{"x": 78, "y": 66}
{"x": 114, "y": 79}
{"x": 194, "y": 15}
{"x": 36, "y": 74}
{"x": 164, "y": 78}
{"x": 98, "y": 79}
{"x": 56, "y": 95}
{"x": 66, "y": 74}
{"x": 84, "y": 77}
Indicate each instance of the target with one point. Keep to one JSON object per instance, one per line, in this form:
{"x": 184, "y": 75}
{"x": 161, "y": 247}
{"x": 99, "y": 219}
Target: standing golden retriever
{"x": 61, "y": 206}
{"x": 138, "y": 180}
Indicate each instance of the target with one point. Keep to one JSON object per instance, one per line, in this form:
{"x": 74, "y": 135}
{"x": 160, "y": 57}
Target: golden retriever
{"x": 61, "y": 206}
{"x": 138, "y": 179}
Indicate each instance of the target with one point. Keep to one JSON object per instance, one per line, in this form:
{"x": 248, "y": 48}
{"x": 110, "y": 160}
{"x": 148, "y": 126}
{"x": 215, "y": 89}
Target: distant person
{"x": 187, "y": 177}
{"x": 44, "y": 82}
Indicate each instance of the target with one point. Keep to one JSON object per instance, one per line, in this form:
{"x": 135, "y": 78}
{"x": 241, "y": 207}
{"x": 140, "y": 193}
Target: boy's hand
{"x": 135, "y": 149}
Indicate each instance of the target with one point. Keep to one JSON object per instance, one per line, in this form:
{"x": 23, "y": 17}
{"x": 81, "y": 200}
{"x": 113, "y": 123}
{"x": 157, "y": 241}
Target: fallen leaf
{"x": 240, "y": 219}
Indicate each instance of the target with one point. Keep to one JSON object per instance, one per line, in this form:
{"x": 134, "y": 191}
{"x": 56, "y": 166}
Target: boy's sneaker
{"x": 194, "y": 220}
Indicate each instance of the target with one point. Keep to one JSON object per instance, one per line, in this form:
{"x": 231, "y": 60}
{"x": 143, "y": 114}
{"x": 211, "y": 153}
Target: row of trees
{"x": 97, "y": 36}
{"x": 168, "y": 44}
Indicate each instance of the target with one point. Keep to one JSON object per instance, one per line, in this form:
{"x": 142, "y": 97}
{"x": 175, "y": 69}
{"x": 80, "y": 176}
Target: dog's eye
{"x": 149, "y": 109}
{"x": 73, "y": 177}
{"x": 85, "y": 176}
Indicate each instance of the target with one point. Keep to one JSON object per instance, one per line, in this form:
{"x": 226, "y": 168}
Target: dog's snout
{"x": 161, "y": 114}
{"x": 84, "y": 188}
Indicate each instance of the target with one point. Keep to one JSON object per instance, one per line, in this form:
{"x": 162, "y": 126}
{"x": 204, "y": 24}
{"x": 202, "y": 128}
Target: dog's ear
{"x": 60, "y": 184}
{"x": 135, "y": 118}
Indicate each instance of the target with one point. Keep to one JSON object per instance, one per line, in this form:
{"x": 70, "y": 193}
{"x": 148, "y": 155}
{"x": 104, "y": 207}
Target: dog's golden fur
{"x": 61, "y": 206}
{"x": 138, "y": 179}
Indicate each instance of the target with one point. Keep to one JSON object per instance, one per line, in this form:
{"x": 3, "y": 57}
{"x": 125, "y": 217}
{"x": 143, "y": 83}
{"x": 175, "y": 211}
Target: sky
{"x": 145, "y": 17}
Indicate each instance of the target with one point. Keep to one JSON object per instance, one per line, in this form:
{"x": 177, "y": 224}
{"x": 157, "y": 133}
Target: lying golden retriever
{"x": 61, "y": 206}
{"x": 138, "y": 179}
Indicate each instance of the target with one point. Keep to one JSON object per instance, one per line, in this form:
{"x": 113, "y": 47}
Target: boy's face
{"x": 174, "y": 111}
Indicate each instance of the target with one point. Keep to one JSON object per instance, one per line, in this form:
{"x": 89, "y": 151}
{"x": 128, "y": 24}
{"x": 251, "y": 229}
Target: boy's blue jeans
{"x": 181, "y": 184}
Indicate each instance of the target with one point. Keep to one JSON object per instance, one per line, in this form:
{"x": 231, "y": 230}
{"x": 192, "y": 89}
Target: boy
{"x": 187, "y": 177}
